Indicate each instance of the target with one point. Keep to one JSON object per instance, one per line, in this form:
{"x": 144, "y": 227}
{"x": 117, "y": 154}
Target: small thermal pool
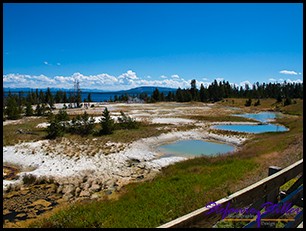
{"x": 262, "y": 127}
{"x": 252, "y": 128}
{"x": 193, "y": 148}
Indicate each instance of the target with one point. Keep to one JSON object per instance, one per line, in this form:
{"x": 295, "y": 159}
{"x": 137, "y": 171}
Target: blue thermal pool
{"x": 252, "y": 128}
{"x": 262, "y": 117}
{"x": 192, "y": 148}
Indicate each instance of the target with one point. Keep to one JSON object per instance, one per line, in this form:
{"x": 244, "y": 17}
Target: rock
{"x": 21, "y": 215}
{"x": 67, "y": 196}
{"x": 94, "y": 196}
{"x": 69, "y": 189}
{"x": 24, "y": 192}
{"x": 86, "y": 186}
{"x": 85, "y": 193}
{"x": 52, "y": 188}
{"x": 77, "y": 191}
{"x": 59, "y": 189}
{"x": 140, "y": 177}
{"x": 42, "y": 202}
{"x": 6, "y": 211}
{"x": 141, "y": 166}
{"x": 31, "y": 215}
{"x": 95, "y": 187}
{"x": 12, "y": 194}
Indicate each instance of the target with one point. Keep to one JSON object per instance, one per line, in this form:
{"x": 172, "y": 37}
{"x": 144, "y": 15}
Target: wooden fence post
{"x": 273, "y": 196}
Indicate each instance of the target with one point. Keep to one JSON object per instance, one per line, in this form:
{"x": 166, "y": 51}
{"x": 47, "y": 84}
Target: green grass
{"x": 11, "y": 135}
{"x": 294, "y": 109}
{"x": 180, "y": 189}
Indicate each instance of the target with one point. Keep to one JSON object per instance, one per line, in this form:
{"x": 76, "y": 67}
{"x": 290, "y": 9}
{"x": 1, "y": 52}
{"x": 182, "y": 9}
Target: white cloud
{"x": 101, "y": 81}
{"x": 175, "y": 76}
{"x": 219, "y": 79}
{"x": 283, "y": 80}
{"x": 163, "y": 77}
{"x": 106, "y": 81}
{"x": 292, "y": 81}
{"x": 128, "y": 75}
{"x": 288, "y": 72}
{"x": 45, "y": 62}
{"x": 244, "y": 83}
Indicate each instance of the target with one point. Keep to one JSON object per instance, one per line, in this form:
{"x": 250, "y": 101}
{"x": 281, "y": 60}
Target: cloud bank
{"x": 109, "y": 82}
{"x": 103, "y": 81}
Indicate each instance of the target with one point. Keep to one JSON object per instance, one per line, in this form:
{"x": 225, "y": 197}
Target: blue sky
{"x": 124, "y": 45}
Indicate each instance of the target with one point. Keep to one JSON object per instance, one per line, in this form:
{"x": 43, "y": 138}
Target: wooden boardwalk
{"x": 265, "y": 192}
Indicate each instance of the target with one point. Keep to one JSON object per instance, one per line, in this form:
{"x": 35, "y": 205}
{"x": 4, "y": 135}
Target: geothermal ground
{"x": 67, "y": 170}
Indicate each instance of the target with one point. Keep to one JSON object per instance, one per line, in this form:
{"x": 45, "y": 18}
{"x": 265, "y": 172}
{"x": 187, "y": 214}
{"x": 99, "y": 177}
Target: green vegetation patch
{"x": 23, "y": 132}
{"x": 178, "y": 190}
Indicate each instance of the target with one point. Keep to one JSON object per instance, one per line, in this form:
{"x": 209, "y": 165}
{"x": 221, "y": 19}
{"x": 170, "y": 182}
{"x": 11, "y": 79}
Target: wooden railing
{"x": 255, "y": 196}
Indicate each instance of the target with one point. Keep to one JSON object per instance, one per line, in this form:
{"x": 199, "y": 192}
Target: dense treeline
{"x": 14, "y": 105}
{"x": 218, "y": 91}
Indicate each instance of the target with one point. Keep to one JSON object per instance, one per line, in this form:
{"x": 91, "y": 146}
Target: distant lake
{"x": 95, "y": 96}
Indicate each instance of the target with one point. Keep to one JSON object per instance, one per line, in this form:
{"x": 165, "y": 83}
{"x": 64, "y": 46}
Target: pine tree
{"x": 55, "y": 129}
{"x": 248, "y": 102}
{"x": 89, "y": 97}
{"x": 156, "y": 95}
{"x": 193, "y": 90}
{"x": 29, "y": 109}
{"x": 49, "y": 98}
{"x": 107, "y": 123}
{"x": 12, "y": 110}
{"x": 38, "y": 110}
{"x": 203, "y": 94}
{"x": 87, "y": 124}
{"x": 257, "y": 103}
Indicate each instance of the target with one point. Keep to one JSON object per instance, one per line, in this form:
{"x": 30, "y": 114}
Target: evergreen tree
{"x": 89, "y": 97}
{"x": 257, "y": 103}
{"x": 179, "y": 95}
{"x": 203, "y": 94}
{"x": 65, "y": 100}
{"x": 156, "y": 95}
{"x": 41, "y": 97}
{"x": 287, "y": 101}
{"x": 12, "y": 110}
{"x": 38, "y": 110}
{"x": 55, "y": 129}
{"x": 87, "y": 124}
{"x": 193, "y": 89}
{"x": 248, "y": 102}
{"x": 29, "y": 109}
{"x": 126, "y": 122}
{"x": 49, "y": 98}
{"x": 62, "y": 115}
{"x": 107, "y": 123}
{"x": 279, "y": 98}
